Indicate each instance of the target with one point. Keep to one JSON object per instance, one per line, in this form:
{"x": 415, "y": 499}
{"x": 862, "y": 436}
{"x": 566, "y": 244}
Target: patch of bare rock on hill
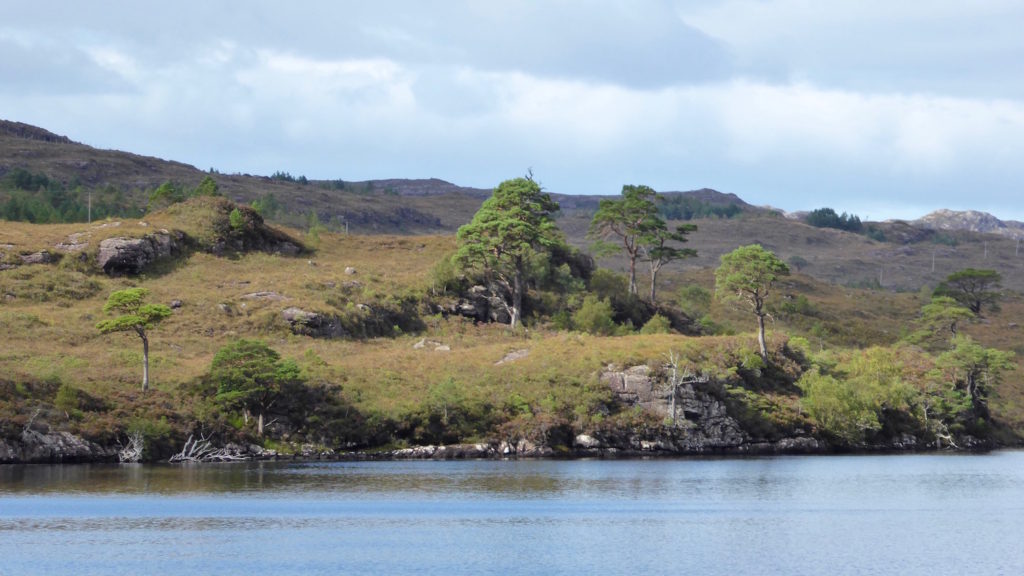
{"x": 970, "y": 220}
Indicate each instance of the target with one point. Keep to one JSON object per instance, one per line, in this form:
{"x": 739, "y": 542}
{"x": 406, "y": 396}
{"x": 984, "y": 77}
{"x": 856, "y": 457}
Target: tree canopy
{"x": 827, "y": 218}
{"x": 972, "y": 288}
{"x": 251, "y": 375}
{"x": 511, "y": 226}
{"x": 939, "y": 321}
{"x": 627, "y": 219}
{"x": 136, "y": 316}
{"x": 973, "y": 369}
{"x": 657, "y": 250}
{"x": 746, "y": 275}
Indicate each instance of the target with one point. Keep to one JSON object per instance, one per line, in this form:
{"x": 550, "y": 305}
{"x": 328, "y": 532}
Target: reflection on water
{"x": 794, "y": 515}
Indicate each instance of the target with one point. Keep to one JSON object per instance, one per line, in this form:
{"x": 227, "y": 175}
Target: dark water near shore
{"x": 916, "y": 514}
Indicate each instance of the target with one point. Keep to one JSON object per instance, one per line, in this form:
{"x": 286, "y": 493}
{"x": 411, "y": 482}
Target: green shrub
{"x": 236, "y": 219}
{"x": 694, "y": 300}
{"x": 594, "y": 317}
{"x": 658, "y": 324}
{"x": 839, "y": 407}
{"x": 67, "y": 400}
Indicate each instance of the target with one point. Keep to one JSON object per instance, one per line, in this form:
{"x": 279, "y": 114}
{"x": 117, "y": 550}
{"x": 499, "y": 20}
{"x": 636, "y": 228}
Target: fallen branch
{"x": 132, "y": 451}
{"x": 200, "y": 450}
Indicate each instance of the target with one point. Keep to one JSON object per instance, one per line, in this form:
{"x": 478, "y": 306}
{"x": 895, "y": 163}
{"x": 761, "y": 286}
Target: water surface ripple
{"x": 900, "y": 514}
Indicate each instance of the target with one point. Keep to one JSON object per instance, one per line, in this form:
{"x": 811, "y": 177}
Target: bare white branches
{"x": 132, "y": 450}
{"x": 201, "y": 450}
{"x": 678, "y": 377}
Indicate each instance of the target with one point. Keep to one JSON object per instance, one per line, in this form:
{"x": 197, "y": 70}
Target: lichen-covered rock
{"x": 313, "y": 324}
{"x": 702, "y": 422}
{"x": 119, "y": 256}
{"x": 46, "y": 447}
{"x": 41, "y": 257}
{"x": 482, "y": 305}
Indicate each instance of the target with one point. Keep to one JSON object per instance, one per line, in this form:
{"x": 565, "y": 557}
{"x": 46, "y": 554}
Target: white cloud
{"x": 779, "y": 101}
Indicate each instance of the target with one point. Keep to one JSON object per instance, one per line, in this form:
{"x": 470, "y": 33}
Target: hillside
{"x": 896, "y": 256}
{"x": 387, "y": 358}
{"x": 391, "y": 346}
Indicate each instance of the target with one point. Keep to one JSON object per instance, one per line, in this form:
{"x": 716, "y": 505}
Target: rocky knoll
{"x": 119, "y": 256}
{"x": 971, "y": 220}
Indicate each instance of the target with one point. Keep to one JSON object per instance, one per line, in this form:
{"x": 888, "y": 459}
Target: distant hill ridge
{"x": 29, "y": 132}
{"x": 427, "y": 205}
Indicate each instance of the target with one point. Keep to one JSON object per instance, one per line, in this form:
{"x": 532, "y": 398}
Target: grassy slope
{"x": 49, "y": 311}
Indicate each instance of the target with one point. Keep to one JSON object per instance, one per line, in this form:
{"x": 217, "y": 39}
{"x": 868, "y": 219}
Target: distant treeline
{"x": 687, "y": 208}
{"x": 827, "y": 218}
{"x": 36, "y": 198}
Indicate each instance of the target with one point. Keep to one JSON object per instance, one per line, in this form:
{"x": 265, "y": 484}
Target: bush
{"x": 694, "y": 300}
{"x": 838, "y": 407}
{"x": 236, "y": 219}
{"x": 658, "y": 324}
{"x": 594, "y": 317}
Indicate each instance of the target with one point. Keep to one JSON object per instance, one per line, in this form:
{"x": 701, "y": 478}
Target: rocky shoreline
{"x": 63, "y": 447}
{"x": 695, "y": 422}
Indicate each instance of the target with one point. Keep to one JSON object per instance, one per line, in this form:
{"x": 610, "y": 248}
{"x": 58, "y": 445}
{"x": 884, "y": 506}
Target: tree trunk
{"x": 760, "y": 337}
{"x": 259, "y": 424}
{"x": 145, "y": 360}
{"x": 675, "y": 392}
{"x": 654, "y": 278}
{"x": 517, "y": 298}
{"x": 632, "y": 274}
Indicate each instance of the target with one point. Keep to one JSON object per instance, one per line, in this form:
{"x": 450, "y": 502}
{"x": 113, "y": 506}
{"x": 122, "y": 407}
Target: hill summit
{"x": 970, "y": 220}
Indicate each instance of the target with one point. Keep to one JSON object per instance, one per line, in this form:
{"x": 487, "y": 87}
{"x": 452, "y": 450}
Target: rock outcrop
{"x": 120, "y": 256}
{"x": 313, "y": 324}
{"x": 971, "y": 220}
{"x": 702, "y": 423}
{"x": 482, "y": 306}
{"x": 50, "y": 447}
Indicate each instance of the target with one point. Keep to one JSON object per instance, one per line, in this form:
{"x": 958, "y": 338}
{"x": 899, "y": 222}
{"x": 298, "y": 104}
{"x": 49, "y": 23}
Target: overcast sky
{"x": 880, "y": 108}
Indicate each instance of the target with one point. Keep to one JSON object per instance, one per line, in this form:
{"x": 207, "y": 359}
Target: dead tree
{"x": 132, "y": 450}
{"x": 680, "y": 377}
{"x": 201, "y": 450}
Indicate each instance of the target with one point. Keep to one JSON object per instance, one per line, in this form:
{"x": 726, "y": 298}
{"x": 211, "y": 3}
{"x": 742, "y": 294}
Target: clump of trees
{"x": 633, "y": 223}
{"x": 682, "y": 207}
{"x": 827, "y": 218}
{"x": 171, "y": 193}
{"x": 37, "y": 198}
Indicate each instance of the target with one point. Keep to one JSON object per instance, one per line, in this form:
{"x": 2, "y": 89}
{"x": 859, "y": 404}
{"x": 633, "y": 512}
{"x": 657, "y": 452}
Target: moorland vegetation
{"x": 504, "y": 333}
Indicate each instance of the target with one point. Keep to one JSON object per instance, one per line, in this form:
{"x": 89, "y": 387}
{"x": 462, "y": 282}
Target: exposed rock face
{"x": 482, "y": 306}
{"x": 971, "y": 220}
{"x": 702, "y": 422}
{"x": 313, "y": 323}
{"x": 118, "y": 256}
{"x": 42, "y": 257}
{"x": 39, "y": 447}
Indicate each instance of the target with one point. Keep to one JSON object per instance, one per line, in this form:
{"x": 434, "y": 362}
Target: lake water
{"x": 916, "y": 514}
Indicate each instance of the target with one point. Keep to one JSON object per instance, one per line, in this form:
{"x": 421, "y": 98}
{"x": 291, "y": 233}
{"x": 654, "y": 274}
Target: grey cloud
{"x": 44, "y": 69}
